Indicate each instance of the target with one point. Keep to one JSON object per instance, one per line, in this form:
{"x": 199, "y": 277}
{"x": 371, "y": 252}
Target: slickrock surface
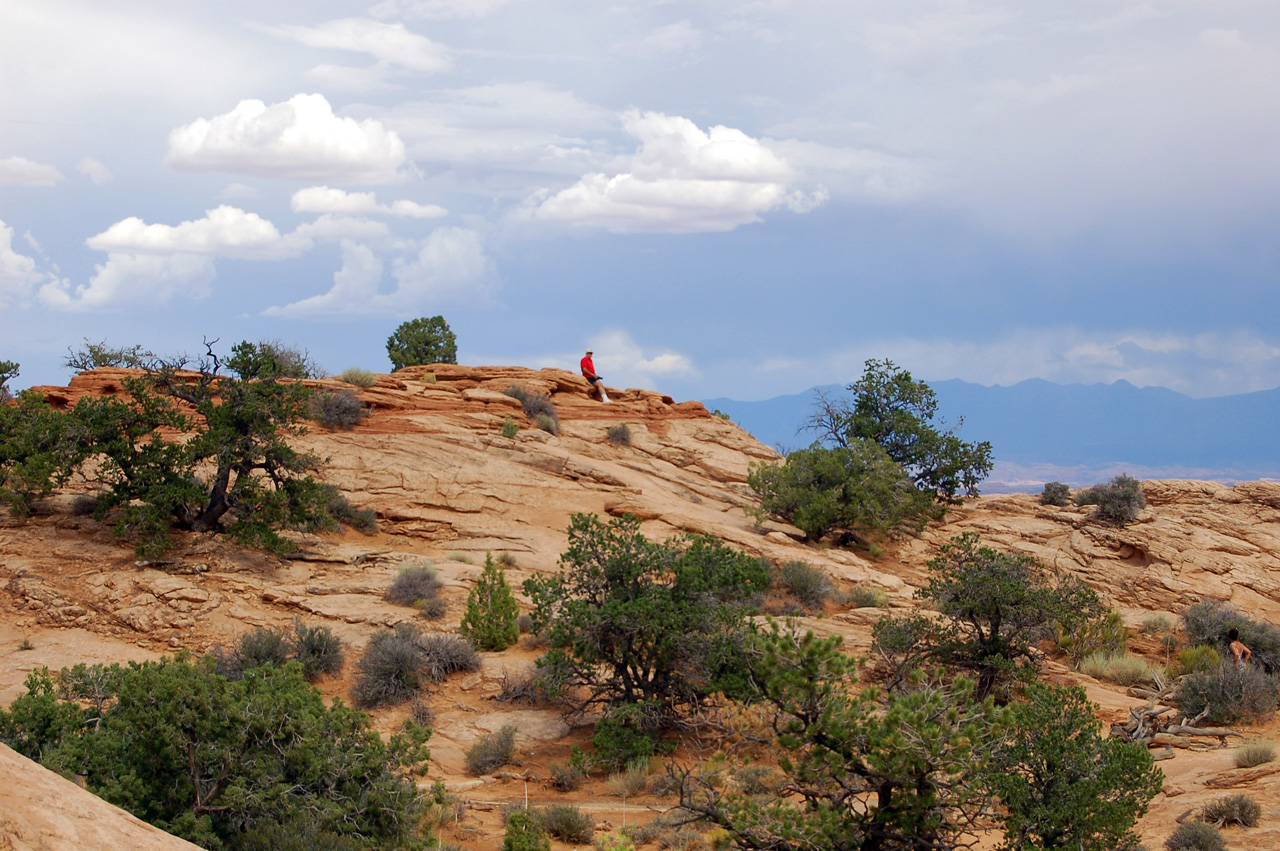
{"x": 448, "y": 487}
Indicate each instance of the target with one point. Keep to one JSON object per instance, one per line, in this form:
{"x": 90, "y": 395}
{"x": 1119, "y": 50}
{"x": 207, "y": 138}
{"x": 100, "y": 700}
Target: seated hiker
{"x": 597, "y": 383}
{"x": 1240, "y": 655}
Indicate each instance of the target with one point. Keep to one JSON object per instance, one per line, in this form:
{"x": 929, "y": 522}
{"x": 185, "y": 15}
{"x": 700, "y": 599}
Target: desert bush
{"x": 262, "y": 646}
{"x": 506, "y": 560}
{"x": 566, "y": 777}
{"x": 337, "y": 409}
{"x": 299, "y": 835}
{"x": 619, "y": 435}
{"x": 492, "y": 751}
{"x": 808, "y": 584}
{"x": 460, "y": 556}
{"x": 614, "y": 842}
{"x": 1156, "y": 624}
{"x": 757, "y": 780}
{"x": 532, "y": 402}
{"x": 317, "y": 649}
{"x": 520, "y": 688}
{"x": 413, "y": 583}
{"x": 444, "y": 655}
{"x": 490, "y": 620}
{"x": 510, "y": 428}
{"x": 1195, "y": 836}
{"x": 868, "y": 597}
{"x": 421, "y": 710}
{"x": 566, "y": 823}
{"x": 1209, "y": 623}
{"x": 547, "y": 423}
{"x": 359, "y": 377}
{"x": 1195, "y": 660}
{"x": 1118, "y": 500}
{"x": 1229, "y": 695}
{"x": 422, "y": 341}
{"x": 1125, "y": 669}
{"x": 98, "y": 355}
{"x": 1232, "y": 809}
{"x": 269, "y": 359}
{"x": 631, "y": 781}
{"x": 1104, "y": 634}
{"x": 525, "y": 623}
{"x": 524, "y": 833}
{"x": 390, "y": 669}
{"x": 1253, "y": 752}
{"x": 432, "y": 608}
{"x": 363, "y": 520}
{"x": 1055, "y": 493}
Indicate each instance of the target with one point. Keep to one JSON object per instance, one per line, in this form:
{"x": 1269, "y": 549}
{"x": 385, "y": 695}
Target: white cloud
{"x": 224, "y": 231}
{"x": 335, "y": 228}
{"x": 681, "y": 180}
{"x": 299, "y": 139}
{"x": 135, "y": 281}
{"x": 680, "y": 37}
{"x": 17, "y": 271}
{"x": 623, "y": 362}
{"x": 389, "y": 43}
{"x": 436, "y": 8}
{"x": 94, "y": 170}
{"x": 449, "y": 268}
{"x": 19, "y": 171}
{"x": 322, "y": 199}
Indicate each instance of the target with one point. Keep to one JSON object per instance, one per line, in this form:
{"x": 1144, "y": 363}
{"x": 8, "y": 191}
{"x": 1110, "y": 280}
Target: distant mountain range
{"x": 1075, "y": 433}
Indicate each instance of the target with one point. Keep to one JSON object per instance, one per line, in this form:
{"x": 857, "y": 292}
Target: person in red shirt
{"x": 589, "y": 373}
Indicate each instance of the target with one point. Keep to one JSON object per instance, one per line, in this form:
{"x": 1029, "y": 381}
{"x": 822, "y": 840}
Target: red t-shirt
{"x": 588, "y": 367}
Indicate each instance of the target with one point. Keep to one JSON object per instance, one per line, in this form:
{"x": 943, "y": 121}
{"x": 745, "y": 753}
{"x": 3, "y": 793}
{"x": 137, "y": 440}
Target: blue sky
{"x": 738, "y": 199}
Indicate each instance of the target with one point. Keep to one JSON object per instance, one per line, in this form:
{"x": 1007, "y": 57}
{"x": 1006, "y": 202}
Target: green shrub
{"x": 1156, "y": 624}
{"x": 432, "y": 608}
{"x": 547, "y": 423}
{"x": 299, "y": 835}
{"x": 510, "y": 428}
{"x": 317, "y": 649}
{"x": 98, "y": 356}
{"x": 1195, "y": 660}
{"x": 524, "y": 833}
{"x": 1118, "y": 500}
{"x": 363, "y": 520}
{"x": 566, "y": 777}
{"x": 1125, "y": 669}
{"x": 566, "y": 823}
{"x": 444, "y": 655}
{"x": 1232, "y": 809}
{"x": 422, "y": 341}
{"x": 413, "y": 583}
{"x": 1253, "y": 752}
{"x": 490, "y": 620}
{"x": 631, "y": 781}
{"x": 262, "y": 646}
{"x": 1195, "y": 836}
{"x": 868, "y": 597}
{"x": 1104, "y": 634}
{"x": 1055, "y": 493}
{"x": 758, "y": 780}
{"x": 268, "y": 359}
{"x": 359, "y": 377}
{"x": 536, "y": 405}
{"x": 460, "y": 556}
{"x": 1229, "y": 695}
{"x": 808, "y": 584}
{"x": 337, "y": 409}
{"x": 492, "y": 751}
{"x": 619, "y": 435}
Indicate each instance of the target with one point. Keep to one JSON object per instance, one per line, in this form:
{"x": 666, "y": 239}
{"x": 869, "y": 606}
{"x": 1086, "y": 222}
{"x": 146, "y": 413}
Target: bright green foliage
{"x": 632, "y": 621}
{"x": 524, "y": 833}
{"x": 858, "y": 774}
{"x": 1209, "y": 622}
{"x": 897, "y": 412}
{"x": 271, "y": 359}
{"x": 40, "y": 447}
{"x": 99, "y": 355}
{"x": 1062, "y": 784}
{"x": 490, "y": 620}
{"x": 856, "y": 487}
{"x": 422, "y": 341}
{"x": 240, "y": 428}
{"x": 996, "y": 605}
{"x": 212, "y": 760}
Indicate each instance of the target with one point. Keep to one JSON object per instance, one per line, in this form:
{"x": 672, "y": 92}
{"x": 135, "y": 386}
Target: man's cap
{"x": 590, "y": 352}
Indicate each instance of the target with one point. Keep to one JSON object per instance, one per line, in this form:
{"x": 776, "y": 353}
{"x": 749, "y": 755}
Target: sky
{"x": 723, "y": 198}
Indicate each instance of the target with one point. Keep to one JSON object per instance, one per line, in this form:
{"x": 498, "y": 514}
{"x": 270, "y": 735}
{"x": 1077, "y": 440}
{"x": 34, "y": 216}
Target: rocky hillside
{"x": 448, "y": 487}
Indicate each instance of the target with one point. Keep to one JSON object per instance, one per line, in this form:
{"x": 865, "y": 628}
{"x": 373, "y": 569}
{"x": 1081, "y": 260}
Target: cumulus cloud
{"x": 17, "y": 271}
{"x": 322, "y": 199}
{"x": 450, "y": 267}
{"x": 334, "y": 228}
{"x": 392, "y": 44}
{"x": 682, "y": 180}
{"x": 94, "y": 170}
{"x": 135, "y": 281}
{"x": 20, "y": 171}
{"x": 300, "y": 139}
{"x": 225, "y": 231}
{"x": 623, "y": 362}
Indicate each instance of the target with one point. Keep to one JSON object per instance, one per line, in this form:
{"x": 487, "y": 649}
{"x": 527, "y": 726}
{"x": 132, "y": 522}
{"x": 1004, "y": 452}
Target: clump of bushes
{"x": 631, "y": 781}
{"x": 399, "y": 662}
{"x": 619, "y": 435}
{"x": 490, "y": 620}
{"x": 566, "y": 823}
{"x": 1156, "y": 624}
{"x": 808, "y": 584}
{"x": 1195, "y": 660}
{"x": 1102, "y": 635}
{"x": 1228, "y": 694}
{"x": 445, "y": 654}
{"x": 566, "y": 777}
{"x": 1209, "y": 622}
{"x": 338, "y": 409}
{"x": 359, "y": 377}
{"x": 535, "y": 405}
{"x": 868, "y": 597}
{"x": 1232, "y": 809}
{"x": 547, "y": 423}
{"x": 413, "y": 583}
{"x": 492, "y": 751}
{"x": 524, "y": 833}
{"x": 1125, "y": 669}
{"x": 316, "y": 647}
{"x": 363, "y": 520}
{"x": 1055, "y": 493}
{"x": 510, "y": 428}
{"x": 1195, "y": 836}
{"x": 1253, "y": 752}
{"x": 1118, "y": 500}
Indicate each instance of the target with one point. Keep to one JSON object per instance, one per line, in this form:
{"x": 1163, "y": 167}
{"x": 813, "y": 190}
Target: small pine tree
{"x": 490, "y": 621}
